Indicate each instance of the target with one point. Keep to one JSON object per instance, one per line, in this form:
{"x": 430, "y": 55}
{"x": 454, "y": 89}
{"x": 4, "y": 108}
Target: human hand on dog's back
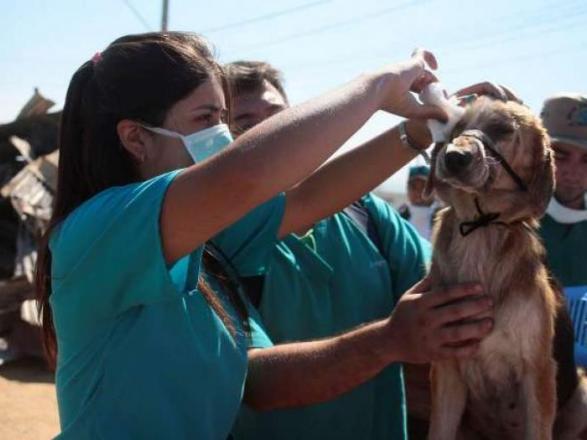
{"x": 430, "y": 325}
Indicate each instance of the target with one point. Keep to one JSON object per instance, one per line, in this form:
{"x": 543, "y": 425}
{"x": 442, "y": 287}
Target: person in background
{"x": 329, "y": 277}
{"x": 564, "y": 227}
{"x": 257, "y": 93}
{"x": 419, "y": 210}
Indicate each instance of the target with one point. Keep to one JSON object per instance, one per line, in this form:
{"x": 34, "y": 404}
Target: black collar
{"x": 483, "y": 220}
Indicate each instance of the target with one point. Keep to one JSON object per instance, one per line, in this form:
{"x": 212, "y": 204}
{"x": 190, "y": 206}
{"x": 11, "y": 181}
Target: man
{"x": 564, "y": 227}
{"x": 258, "y": 93}
{"x": 342, "y": 272}
{"x": 419, "y": 210}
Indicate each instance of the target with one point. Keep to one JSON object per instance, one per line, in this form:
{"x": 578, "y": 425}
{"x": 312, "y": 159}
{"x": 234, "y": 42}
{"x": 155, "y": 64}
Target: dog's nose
{"x": 456, "y": 160}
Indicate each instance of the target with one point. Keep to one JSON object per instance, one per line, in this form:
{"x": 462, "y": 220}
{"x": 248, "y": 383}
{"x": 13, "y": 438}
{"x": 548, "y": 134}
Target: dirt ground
{"x": 28, "y": 409}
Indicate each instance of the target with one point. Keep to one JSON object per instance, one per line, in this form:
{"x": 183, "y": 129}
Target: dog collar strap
{"x": 490, "y": 145}
{"x": 483, "y": 220}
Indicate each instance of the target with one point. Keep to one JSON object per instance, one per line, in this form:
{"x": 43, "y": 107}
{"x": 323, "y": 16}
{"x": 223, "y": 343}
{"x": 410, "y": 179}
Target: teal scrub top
{"x": 343, "y": 283}
{"x": 566, "y": 250}
{"x": 141, "y": 353}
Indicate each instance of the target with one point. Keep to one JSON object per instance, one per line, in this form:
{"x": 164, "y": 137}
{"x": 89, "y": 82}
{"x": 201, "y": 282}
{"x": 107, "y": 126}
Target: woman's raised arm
{"x": 280, "y": 152}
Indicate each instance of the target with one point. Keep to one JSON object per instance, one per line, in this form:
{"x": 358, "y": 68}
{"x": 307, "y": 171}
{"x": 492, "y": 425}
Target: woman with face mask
{"x": 144, "y": 346}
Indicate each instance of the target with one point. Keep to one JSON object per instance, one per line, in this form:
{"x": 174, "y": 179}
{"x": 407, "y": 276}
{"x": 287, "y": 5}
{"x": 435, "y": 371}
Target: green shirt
{"x": 345, "y": 282}
{"x": 566, "y": 249}
{"x": 141, "y": 353}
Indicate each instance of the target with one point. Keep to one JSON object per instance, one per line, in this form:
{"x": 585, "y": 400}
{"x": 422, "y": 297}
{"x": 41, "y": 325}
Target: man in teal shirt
{"x": 342, "y": 272}
{"x": 564, "y": 228}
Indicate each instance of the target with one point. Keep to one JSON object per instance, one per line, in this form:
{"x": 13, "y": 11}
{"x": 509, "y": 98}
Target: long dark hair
{"x": 138, "y": 77}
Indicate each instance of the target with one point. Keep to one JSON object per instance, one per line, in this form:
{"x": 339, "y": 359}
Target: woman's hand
{"x": 399, "y": 80}
{"x": 487, "y": 88}
{"x": 432, "y": 325}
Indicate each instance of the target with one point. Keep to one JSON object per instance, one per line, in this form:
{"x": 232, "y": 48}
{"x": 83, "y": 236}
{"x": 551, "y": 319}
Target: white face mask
{"x": 202, "y": 144}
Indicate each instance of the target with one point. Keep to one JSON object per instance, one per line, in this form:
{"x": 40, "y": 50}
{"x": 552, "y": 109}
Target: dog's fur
{"x": 507, "y": 390}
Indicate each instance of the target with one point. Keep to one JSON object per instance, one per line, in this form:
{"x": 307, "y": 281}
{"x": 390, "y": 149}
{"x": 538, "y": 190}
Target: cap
{"x": 420, "y": 171}
{"x": 565, "y": 118}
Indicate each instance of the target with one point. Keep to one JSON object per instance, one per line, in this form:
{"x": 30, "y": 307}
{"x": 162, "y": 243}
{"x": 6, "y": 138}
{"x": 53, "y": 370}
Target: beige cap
{"x": 565, "y": 118}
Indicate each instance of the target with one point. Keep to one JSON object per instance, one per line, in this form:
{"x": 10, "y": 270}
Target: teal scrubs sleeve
{"x": 258, "y": 337}
{"x": 112, "y": 240}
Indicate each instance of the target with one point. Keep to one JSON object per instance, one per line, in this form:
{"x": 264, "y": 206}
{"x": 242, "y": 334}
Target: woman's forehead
{"x": 209, "y": 95}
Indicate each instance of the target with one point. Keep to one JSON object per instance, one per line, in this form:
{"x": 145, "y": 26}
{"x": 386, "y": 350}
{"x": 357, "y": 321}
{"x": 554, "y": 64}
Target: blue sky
{"x": 537, "y": 47}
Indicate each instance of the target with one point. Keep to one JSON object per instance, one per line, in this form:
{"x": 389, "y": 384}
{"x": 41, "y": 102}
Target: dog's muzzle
{"x": 457, "y": 159}
{"x": 461, "y": 164}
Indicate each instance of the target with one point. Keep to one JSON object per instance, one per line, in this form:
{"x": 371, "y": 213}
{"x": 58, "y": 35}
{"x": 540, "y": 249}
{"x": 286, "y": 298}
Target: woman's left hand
{"x": 487, "y": 88}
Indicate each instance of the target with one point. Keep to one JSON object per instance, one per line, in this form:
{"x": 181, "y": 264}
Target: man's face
{"x": 571, "y": 172}
{"x": 415, "y": 189}
{"x": 251, "y": 108}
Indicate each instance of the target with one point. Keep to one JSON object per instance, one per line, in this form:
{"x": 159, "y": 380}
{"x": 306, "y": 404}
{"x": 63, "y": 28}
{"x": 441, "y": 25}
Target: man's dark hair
{"x": 248, "y": 77}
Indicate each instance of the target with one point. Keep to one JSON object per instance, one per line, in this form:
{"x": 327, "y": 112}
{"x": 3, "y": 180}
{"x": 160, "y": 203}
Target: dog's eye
{"x": 497, "y": 131}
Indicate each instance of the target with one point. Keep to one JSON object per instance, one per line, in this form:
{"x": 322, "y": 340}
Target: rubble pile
{"x": 28, "y": 177}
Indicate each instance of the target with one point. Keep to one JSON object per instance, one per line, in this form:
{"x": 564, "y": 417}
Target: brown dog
{"x": 496, "y": 176}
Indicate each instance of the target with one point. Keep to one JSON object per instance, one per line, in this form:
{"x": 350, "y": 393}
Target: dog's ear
{"x": 431, "y": 181}
{"x": 541, "y": 184}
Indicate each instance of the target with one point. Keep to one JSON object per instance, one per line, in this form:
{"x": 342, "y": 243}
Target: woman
{"x": 143, "y": 352}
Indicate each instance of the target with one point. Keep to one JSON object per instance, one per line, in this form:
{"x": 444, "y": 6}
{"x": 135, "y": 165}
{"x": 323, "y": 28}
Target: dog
{"x": 496, "y": 176}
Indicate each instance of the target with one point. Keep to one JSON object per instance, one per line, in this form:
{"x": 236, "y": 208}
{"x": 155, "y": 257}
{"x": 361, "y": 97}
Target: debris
{"x": 28, "y": 179}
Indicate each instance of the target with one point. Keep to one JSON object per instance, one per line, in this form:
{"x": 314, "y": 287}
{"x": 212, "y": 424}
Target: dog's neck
{"x": 489, "y": 254}
{"x": 474, "y": 213}
{"x": 480, "y": 219}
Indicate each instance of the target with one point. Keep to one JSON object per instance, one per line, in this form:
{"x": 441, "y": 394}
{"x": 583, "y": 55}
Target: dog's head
{"x": 499, "y": 158}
